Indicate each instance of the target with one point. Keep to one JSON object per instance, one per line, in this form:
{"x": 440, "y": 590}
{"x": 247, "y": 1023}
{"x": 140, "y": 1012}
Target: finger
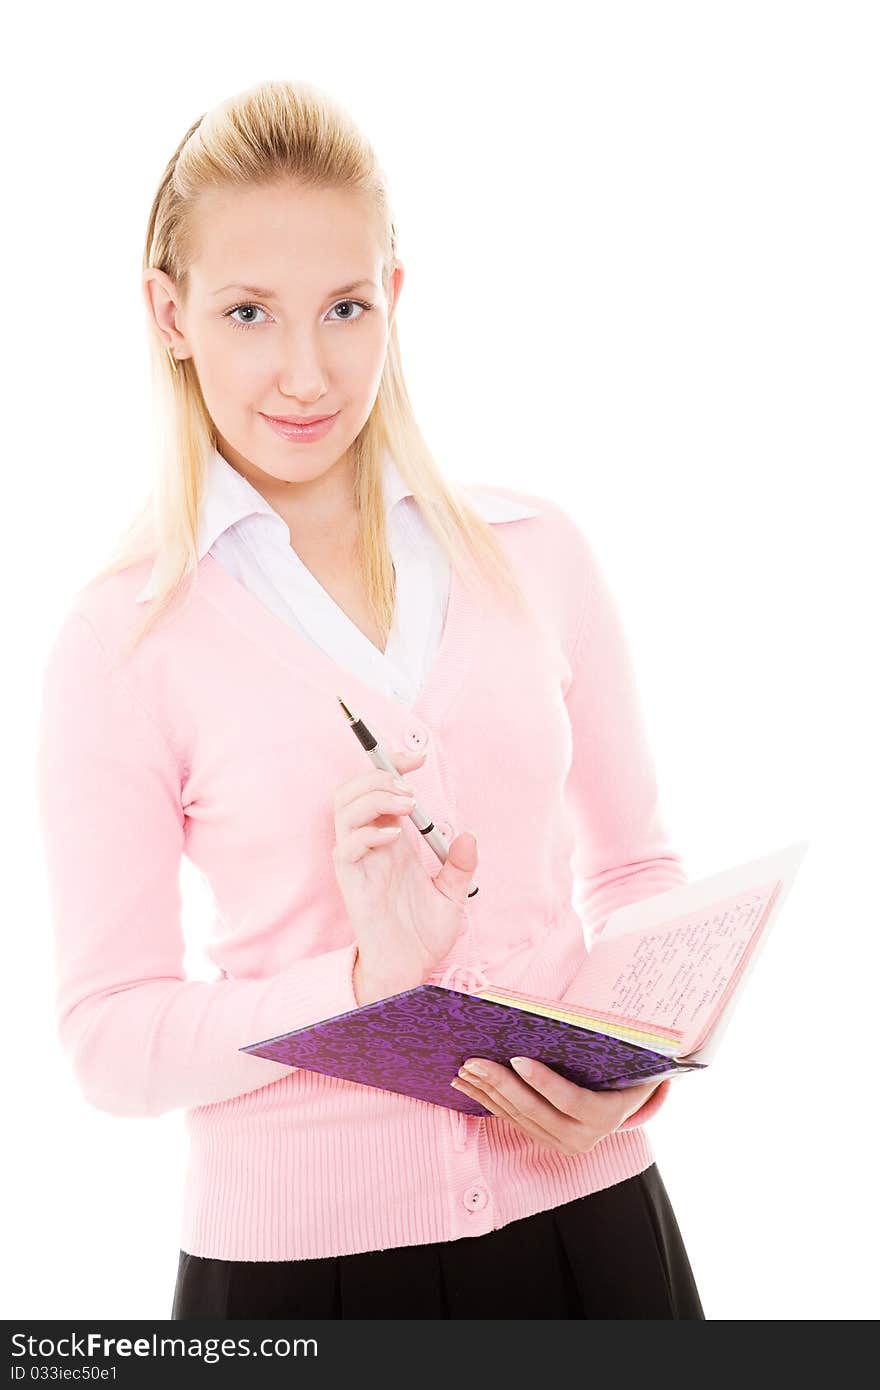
{"x": 370, "y": 781}
{"x": 354, "y": 847}
{"x": 634, "y": 1097}
{"x": 596, "y": 1108}
{"x": 497, "y": 1107}
{"x": 405, "y": 760}
{"x": 528, "y": 1105}
{"x": 457, "y": 872}
{"x": 368, "y": 808}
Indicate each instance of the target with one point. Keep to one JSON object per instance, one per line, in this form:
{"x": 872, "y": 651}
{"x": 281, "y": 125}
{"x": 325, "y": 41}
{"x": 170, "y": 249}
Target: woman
{"x": 277, "y": 567}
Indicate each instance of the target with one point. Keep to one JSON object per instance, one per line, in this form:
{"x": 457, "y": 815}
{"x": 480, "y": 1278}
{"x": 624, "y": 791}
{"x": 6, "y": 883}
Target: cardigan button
{"x": 476, "y": 1198}
{"x": 415, "y": 739}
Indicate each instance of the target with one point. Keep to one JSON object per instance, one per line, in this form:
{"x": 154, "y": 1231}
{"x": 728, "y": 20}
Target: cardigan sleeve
{"x": 141, "y": 1037}
{"x": 622, "y": 851}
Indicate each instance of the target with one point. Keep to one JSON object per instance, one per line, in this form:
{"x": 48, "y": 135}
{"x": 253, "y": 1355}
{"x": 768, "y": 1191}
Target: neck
{"x": 320, "y": 509}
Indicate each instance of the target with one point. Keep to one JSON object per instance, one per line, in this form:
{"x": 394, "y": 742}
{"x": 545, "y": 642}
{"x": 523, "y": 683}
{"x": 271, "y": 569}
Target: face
{"x": 299, "y": 347}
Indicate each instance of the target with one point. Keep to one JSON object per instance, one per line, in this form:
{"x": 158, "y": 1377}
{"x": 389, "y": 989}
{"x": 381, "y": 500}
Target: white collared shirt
{"x": 252, "y": 543}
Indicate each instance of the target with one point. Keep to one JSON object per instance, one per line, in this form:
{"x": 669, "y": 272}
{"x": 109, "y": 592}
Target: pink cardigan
{"x": 221, "y": 739}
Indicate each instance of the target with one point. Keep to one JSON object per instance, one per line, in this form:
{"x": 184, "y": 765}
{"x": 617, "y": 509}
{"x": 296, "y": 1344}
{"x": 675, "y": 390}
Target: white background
{"x": 641, "y": 244}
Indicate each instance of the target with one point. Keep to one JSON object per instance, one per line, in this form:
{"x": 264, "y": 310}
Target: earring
{"x": 172, "y": 359}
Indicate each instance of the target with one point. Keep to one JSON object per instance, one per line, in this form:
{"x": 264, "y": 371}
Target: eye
{"x": 237, "y": 323}
{"x": 347, "y": 318}
{"x": 358, "y": 303}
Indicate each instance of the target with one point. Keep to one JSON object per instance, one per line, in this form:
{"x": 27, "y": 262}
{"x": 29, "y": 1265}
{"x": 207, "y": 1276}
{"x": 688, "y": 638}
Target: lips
{"x": 299, "y": 419}
{"x": 317, "y": 428}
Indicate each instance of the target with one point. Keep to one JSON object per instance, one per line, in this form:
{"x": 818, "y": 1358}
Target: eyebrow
{"x": 262, "y": 293}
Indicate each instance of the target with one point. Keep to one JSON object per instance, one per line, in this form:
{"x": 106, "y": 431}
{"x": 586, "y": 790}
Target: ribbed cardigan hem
{"x": 241, "y": 1203}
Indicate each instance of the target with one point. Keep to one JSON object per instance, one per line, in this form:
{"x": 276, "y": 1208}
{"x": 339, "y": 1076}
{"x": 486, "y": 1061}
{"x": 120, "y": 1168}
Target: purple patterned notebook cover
{"x": 415, "y": 1042}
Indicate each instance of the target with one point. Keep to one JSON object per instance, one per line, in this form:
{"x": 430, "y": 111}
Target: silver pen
{"x": 379, "y": 758}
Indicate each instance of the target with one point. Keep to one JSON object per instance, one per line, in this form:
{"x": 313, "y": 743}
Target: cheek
{"x": 242, "y": 381}
{"x": 360, "y": 360}
{"x": 225, "y": 364}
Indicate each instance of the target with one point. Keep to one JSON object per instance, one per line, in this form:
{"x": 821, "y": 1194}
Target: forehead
{"x": 283, "y": 234}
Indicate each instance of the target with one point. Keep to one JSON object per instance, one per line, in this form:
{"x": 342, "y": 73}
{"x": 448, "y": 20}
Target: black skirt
{"x": 616, "y": 1253}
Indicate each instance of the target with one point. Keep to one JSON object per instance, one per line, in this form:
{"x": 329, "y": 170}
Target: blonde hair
{"x": 270, "y": 133}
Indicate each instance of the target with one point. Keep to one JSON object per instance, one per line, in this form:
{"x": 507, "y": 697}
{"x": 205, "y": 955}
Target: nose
{"x": 302, "y": 374}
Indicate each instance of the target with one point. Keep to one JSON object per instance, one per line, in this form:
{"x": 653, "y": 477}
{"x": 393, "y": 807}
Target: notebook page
{"x": 679, "y": 974}
{"x": 653, "y": 1041}
{"x": 576, "y": 1014}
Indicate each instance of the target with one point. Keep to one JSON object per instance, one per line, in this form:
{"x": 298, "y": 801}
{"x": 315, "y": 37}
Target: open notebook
{"x": 663, "y": 982}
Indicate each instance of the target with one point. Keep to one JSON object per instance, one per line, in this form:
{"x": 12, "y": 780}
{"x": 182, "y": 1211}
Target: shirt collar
{"x": 229, "y": 498}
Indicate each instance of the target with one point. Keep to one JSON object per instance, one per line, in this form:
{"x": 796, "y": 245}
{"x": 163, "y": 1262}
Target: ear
{"x": 395, "y": 284}
{"x": 162, "y": 301}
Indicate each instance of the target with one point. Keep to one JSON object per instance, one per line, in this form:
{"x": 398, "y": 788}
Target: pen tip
{"x": 348, "y": 713}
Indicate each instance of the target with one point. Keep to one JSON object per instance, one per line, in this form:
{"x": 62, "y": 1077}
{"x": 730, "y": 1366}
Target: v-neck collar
{"x": 317, "y": 614}
{"x": 459, "y": 640}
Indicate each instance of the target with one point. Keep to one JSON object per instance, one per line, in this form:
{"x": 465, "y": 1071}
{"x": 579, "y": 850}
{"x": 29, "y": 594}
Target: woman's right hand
{"x": 405, "y": 920}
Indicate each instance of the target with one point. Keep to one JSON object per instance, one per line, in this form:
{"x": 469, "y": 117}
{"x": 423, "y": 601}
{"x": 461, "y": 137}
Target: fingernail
{"x": 473, "y": 1069}
{"x": 521, "y": 1065}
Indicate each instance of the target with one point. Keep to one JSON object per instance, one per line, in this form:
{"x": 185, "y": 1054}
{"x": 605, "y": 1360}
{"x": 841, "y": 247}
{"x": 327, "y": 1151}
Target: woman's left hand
{"x": 564, "y": 1116}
